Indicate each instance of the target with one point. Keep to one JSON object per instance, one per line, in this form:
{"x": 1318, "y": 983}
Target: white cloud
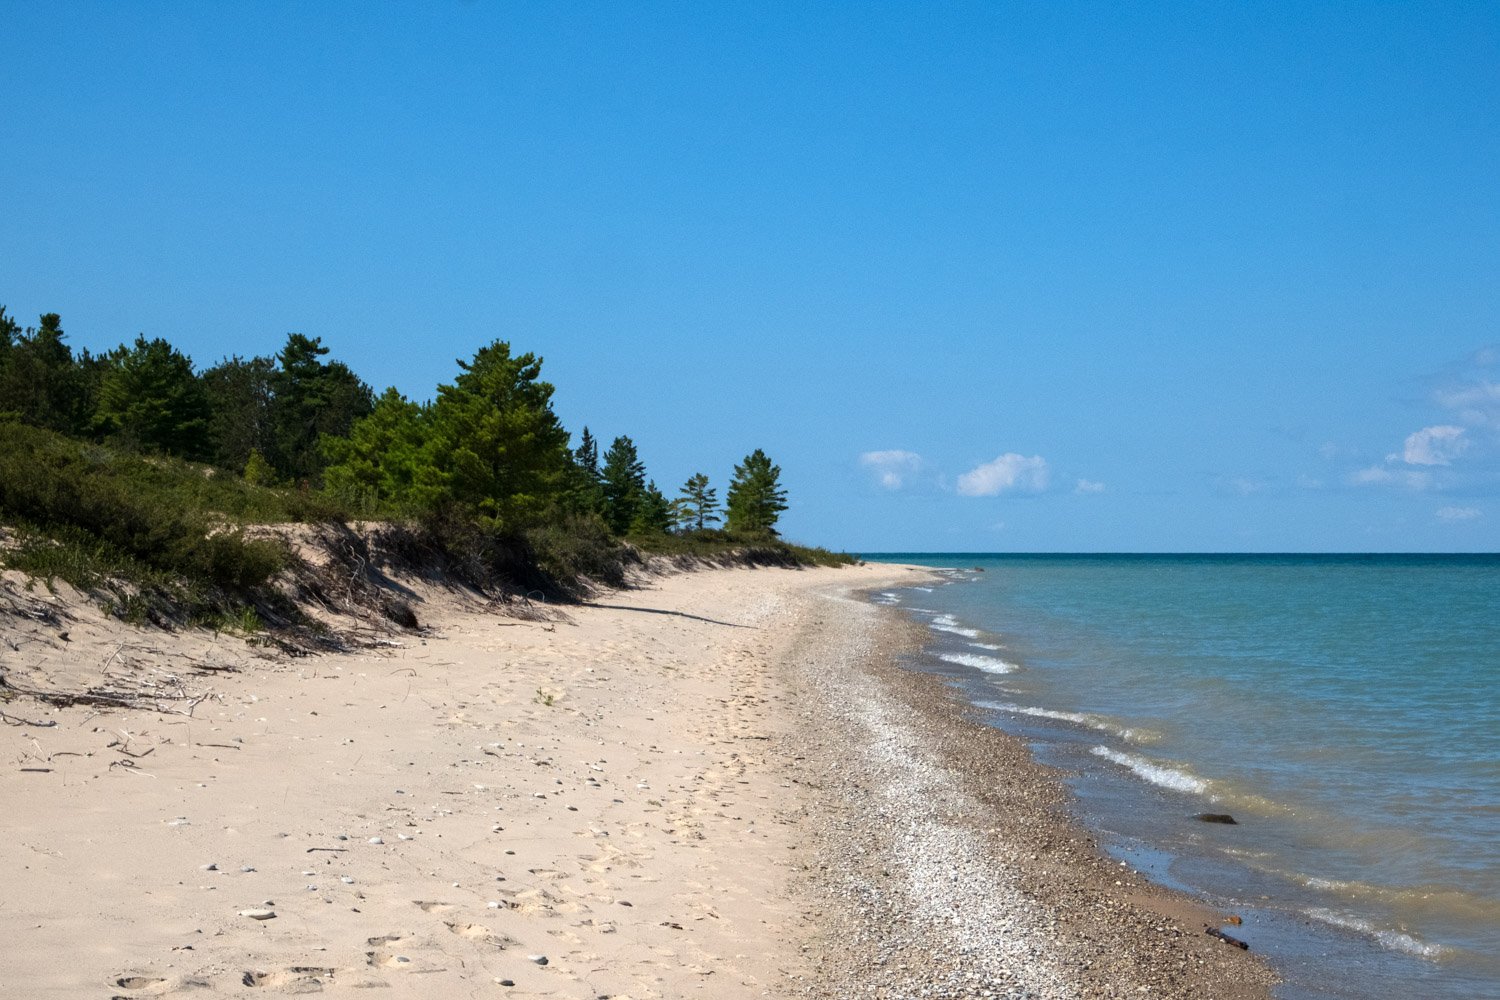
{"x": 1438, "y": 445}
{"x": 1458, "y": 513}
{"x": 1088, "y": 486}
{"x": 1379, "y": 475}
{"x": 1008, "y": 473}
{"x": 891, "y": 468}
{"x": 1475, "y": 403}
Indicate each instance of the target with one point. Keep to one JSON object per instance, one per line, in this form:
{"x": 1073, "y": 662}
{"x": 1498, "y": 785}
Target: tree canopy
{"x": 756, "y": 498}
{"x": 493, "y": 443}
{"x": 489, "y": 446}
{"x": 623, "y": 481}
{"x": 148, "y": 396}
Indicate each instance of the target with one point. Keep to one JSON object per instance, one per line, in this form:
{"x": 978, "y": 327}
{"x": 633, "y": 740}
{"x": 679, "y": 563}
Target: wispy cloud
{"x": 1470, "y": 393}
{"x": 894, "y": 468}
{"x": 1088, "y": 486}
{"x": 1458, "y": 513}
{"x": 1387, "y": 475}
{"x": 1009, "y": 473}
{"x": 1438, "y": 445}
{"x": 1242, "y": 486}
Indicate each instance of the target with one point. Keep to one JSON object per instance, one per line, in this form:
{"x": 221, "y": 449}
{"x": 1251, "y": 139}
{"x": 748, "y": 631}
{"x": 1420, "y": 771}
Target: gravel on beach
{"x": 940, "y": 857}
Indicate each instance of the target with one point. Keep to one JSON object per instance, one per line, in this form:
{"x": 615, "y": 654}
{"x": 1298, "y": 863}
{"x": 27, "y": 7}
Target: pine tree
{"x": 653, "y": 516}
{"x": 756, "y": 498}
{"x": 494, "y": 445}
{"x": 624, "y": 482}
{"x": 698, "y": 506}
{"x": 308, "y": 400}
{"x": 39, "y": 382}
{"x": 377, "y": 463}
{"x": 588, "y": 488}
{"x": 150, "y": 399}
{"x": 239, "y": 401}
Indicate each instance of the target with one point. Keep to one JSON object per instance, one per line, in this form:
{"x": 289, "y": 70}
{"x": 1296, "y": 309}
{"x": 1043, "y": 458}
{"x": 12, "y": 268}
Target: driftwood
{"x": 1215, "y": 932}
{"x": 126, "y": 687}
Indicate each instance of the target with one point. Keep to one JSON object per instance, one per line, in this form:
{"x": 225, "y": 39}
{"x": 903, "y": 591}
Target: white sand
{"x": 601, "y": 792}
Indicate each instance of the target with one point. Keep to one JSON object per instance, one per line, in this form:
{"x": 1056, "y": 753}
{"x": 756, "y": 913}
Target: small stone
{"x": 376, "y": 840}
{"x": 210, "y": 867}
{"x": 247, "y": 868}
{"x": 259, "y": 914}
{"x": 538, "y": 959}
{"x": 346, "y": 880}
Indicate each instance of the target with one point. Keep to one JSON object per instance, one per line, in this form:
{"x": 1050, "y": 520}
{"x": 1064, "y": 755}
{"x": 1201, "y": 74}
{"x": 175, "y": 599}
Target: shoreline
{"x": 720, "y": 784}
{"x": 959, "y": 868}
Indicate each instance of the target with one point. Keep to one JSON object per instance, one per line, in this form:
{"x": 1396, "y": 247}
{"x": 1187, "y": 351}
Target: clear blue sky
{"x": 979, "y": 276}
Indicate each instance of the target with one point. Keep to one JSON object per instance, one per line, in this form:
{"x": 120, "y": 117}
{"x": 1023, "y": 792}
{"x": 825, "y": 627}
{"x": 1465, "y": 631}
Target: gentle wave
{"x": 1392, "y": 940}
{"x": 987, "y": 645}
{"x": 989, "y": 664}
{"x": 1166, "y": 777}
{"x": 947, "y": 623}
{"x": 1081, "y": 718}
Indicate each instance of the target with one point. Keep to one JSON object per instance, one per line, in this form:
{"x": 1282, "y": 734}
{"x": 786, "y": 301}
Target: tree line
{"x": 488, "y": 446}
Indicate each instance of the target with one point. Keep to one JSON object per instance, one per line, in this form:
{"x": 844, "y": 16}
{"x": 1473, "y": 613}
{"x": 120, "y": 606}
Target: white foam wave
{"x": 947, "y": 623}
{"x": 1392, "y": 940}
{"x": 1166, "y": 777}
{"x": 989, "y": 664}
{"x": 967, "y": 633}
{"x": 986, "y": 645}
{"x": 1081, "y": 718}
{"x": 925, "y": 590}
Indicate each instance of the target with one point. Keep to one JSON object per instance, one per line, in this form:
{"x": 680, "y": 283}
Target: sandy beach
{"x": 720, "y": 783}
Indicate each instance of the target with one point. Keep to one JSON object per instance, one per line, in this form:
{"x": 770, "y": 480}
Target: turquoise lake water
{"x": 1344, "y": 709}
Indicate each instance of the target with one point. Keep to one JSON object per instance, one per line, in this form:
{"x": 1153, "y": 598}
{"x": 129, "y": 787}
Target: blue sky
{"x": 977, "y": 276}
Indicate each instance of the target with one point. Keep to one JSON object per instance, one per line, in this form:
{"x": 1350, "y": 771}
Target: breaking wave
{"x": 1156, "y": 774}
{"x": 989, "y": 664}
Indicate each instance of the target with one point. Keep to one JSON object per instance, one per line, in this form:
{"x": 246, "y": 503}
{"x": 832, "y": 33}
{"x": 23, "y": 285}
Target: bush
{"x": 123, "y": 509}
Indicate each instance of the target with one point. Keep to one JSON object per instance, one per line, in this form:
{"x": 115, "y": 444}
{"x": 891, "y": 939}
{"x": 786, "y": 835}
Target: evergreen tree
{"x": 653, "y": 516}
{"x": 308, "y": 400}
{"x": 698, "y": 505}
{"x": 9, "y": 331}
{"x": 756, "y": 498}
{"x": 493, "y": 443}
{"x": 150, "y": 399}
{"x": 378, "y": 461}
{"x": 623, "y": 481}
{"x": 587, "y": 454}
{"x": 588, "y": 488}
{"x": 239, "y": 401}
{"x": 39, "y": 383}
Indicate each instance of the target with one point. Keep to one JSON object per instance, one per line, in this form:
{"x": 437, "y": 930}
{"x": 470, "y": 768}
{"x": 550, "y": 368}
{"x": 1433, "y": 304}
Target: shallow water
{"x": 1344, "y": 709}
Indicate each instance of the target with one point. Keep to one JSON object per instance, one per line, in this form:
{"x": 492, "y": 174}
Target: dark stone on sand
{"x": 1224, "y": 818}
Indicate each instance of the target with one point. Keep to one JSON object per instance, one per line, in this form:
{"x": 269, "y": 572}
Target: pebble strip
{"x": 942, "y": 863}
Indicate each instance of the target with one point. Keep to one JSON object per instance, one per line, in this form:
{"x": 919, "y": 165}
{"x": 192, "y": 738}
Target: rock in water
{"x": 1224, "y": 818}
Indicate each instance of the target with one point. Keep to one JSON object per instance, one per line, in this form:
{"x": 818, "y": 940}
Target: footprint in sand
{"x": 480, "y": 934}
{"x": 128, "y": 982}
{"x": 298, "y": 979}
